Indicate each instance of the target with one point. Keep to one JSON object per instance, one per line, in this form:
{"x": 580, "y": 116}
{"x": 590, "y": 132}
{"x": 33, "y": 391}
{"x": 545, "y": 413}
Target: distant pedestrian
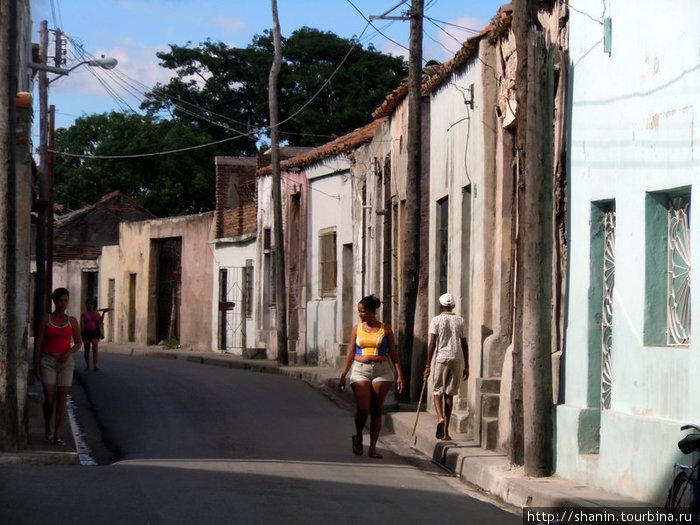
{"x": 446, "y": 338}
{"x": 371, "y": 353}
{"x": 91, "y": 330}
{"x": 57, "y": 339}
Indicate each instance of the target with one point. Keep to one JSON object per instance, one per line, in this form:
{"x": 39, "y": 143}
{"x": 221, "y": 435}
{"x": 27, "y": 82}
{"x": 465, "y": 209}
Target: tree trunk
{"x": 281, "y": 288}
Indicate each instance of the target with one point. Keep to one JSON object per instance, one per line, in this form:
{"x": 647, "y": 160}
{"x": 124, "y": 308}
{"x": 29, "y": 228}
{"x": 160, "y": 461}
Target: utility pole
{"x": 40, "y": 295}
{"x": 532, "y": 354}
{"x": 281, "y": 288}
{"x": 9, "y": 352}
{"x": 410, "y": 266}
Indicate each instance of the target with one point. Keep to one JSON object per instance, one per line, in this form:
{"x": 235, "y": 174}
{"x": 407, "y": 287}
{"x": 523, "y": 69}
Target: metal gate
{"x": 233, "y": 307}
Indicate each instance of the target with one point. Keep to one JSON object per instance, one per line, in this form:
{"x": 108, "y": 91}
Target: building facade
{"x": 630, "y": 349}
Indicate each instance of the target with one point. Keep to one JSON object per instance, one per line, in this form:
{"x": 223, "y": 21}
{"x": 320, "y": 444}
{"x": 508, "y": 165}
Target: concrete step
{"x": 490, "y": 385}
{"x": 489, "y": 433}
{"x": 489, "y": 405}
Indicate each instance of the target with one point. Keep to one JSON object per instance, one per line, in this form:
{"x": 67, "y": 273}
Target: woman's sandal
{"x": 59, "y": 442}
{"x": 356, "y": 449}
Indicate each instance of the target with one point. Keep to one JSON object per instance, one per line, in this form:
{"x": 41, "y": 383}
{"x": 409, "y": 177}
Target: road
{"x": 203, "y": 444}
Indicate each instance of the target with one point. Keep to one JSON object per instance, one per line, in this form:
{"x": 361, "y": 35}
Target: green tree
{"x": 172, "y": 184}
{"x": 219, "y": 95}
{"x": 232, "y": 84}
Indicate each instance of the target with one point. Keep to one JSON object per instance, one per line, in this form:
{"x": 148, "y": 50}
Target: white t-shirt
{"x": 449, "y": 329}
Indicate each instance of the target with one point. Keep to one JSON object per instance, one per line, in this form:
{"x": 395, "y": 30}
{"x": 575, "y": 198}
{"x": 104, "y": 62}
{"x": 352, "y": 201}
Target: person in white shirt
{"x": 447, "y": 337}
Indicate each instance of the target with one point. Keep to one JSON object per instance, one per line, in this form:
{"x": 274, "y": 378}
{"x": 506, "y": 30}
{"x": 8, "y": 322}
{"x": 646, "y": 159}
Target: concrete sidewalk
{"x": 487, "y": 470}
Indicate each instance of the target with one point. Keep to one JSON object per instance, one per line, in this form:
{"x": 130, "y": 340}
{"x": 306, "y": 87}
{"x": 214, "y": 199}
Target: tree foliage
{"x": 220, "y": 94}
{"x": 172, "y": 184}
{"x": 232, "y": 84}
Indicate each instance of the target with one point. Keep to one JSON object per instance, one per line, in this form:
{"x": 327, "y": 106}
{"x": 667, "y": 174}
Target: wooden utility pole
{"x": 41, "y": 298}
{"x": 533, "y": 441}
{"x": 281, "y": 288}
{"x": 410, "y": 266}
{"x": 9, "y": 350}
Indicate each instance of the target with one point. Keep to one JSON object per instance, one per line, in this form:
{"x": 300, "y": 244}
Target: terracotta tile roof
{"x": 71, "y": 216}
{"x": 338, "y": 146}
{"x": 469, "y": 50}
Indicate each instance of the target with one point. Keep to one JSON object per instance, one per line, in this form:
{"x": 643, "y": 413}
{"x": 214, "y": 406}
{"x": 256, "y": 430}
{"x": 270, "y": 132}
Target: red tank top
{"x": 57, "y": 339}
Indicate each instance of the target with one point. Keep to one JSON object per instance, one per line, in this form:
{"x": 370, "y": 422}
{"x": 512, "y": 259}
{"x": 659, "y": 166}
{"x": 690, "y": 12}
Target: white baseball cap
{"x": 446, "y": 299}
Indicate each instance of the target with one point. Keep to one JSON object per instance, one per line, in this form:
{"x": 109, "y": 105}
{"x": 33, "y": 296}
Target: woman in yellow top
{"x": 372, "y": 346}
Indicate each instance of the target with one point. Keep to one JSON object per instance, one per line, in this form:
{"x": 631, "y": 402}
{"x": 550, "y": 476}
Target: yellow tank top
{"x": 371, "y": 343}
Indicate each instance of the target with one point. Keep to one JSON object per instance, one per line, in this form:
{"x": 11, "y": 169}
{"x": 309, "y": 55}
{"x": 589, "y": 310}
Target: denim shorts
{"x": 372, "y": 371}
{"x": 53, "y": 373}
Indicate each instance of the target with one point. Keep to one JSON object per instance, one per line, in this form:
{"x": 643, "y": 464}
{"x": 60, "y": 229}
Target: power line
{"x": 240, "y": 134}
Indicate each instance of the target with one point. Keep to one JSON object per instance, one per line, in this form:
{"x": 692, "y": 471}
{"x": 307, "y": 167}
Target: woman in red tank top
{"x": 57, "y": 339}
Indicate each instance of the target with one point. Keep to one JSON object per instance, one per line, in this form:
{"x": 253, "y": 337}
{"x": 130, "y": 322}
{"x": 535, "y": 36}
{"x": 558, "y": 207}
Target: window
{"x": 667, "y": 270}
{"x": 328, "y": 262}
{"x": 269, "y": 261}
{"x": 248, "y": 295}
{"x": 442, "y": 215}
{"x": 600, "y": 309}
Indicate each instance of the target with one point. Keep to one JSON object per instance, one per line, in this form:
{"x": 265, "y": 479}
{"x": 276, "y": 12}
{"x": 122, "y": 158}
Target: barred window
{"x": 668, "y": 261}
{"x": 328, "y": 262}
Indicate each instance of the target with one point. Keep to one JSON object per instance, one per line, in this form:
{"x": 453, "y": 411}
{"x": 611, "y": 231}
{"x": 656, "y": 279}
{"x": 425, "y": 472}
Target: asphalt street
{"x": 189, "y": 443}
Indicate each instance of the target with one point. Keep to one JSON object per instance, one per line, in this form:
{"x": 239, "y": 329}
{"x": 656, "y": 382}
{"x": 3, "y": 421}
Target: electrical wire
{"x": 239, "y": 134}
{"x": 463, "y": 28}
{"x": 369, "y": 22}
{"x": 596, "y": 20}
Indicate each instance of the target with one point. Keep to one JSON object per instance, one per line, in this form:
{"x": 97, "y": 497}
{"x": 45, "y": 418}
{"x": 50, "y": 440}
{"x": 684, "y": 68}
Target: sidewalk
{"x": 488, "y": 470}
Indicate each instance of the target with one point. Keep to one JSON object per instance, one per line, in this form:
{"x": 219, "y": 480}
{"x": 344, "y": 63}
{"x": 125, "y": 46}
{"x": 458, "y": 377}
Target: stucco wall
{"x": 137, "y": 257}
{"x": 109, "y": 270}
{"x": 330, "y": 203}
{"x": 235, "y": 255}
{"x": 632, "y": 133}
{"x": 463, "y": 171}
{"x": 69, "y": 275}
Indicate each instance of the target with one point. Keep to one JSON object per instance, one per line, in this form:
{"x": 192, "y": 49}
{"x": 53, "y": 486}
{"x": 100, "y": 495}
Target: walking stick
{"x": 420, "y": 401}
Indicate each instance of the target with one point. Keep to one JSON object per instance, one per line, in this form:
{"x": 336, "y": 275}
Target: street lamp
{"x": 104, "y": 63}
{"x": 44, "y": 230}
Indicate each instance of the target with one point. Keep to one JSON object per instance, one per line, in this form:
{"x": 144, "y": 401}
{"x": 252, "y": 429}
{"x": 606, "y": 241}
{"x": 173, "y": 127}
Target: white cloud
{"x": 229, "y": 24}
{"x": 137, "y": 71}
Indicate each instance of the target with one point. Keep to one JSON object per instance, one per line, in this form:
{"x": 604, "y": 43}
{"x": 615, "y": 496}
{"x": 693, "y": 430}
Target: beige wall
{"x": 109, "y": 269}
{"x": 137, "y": 257}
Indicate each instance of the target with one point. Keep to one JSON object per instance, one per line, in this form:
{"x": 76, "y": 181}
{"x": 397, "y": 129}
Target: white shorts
{"x": 372, "y": 371}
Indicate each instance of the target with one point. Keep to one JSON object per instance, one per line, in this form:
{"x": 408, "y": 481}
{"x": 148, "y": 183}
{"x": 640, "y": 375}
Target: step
{"x": 489, "y": 405}
{"x": 489, "y": 433}
{"x": 489, "y": 385}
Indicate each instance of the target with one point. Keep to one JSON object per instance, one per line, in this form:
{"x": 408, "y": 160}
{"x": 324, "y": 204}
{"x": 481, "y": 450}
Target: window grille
{"x": 678, "y": 282}
{"x": 607, "y": 311}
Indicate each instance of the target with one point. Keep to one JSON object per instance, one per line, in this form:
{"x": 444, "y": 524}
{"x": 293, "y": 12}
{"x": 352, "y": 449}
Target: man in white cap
{"x": 447, "y": 336}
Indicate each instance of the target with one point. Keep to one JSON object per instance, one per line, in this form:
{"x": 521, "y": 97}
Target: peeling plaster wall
{"x": 330, "y": 202}
{"x": 137, "y": 256}
{"x": 109, "y": 269}
{"x": 632, "y": 133}
{"x": 463, "y": 171}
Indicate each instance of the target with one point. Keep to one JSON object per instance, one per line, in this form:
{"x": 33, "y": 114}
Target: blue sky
{"x": 132, "y": 31}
